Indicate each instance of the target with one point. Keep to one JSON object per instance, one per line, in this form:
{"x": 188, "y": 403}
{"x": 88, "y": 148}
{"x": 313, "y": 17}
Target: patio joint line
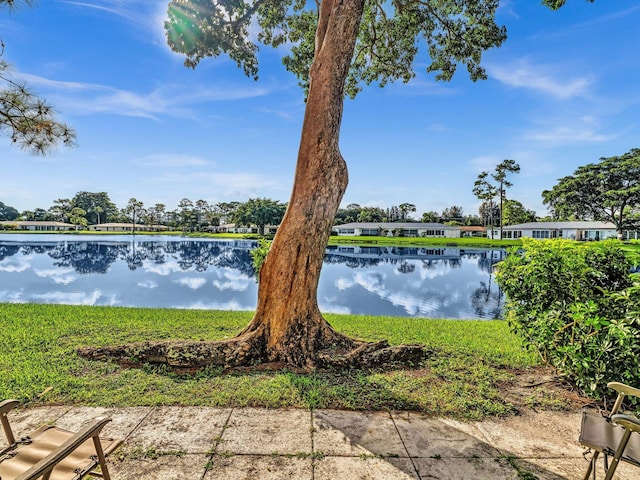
{"x": 404, "y": 445}
{"x": 209, "y": 464}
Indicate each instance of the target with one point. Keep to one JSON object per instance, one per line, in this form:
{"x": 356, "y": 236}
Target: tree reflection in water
{"x": 168, "y": 271}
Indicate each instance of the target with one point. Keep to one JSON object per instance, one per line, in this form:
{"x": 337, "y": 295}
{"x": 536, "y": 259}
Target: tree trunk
{"x": 288, "y": 327}
{"x": 287, "y": 311}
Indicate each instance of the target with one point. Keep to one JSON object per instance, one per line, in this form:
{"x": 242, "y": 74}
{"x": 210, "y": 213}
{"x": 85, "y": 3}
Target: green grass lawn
{"x": 39, "y": 364}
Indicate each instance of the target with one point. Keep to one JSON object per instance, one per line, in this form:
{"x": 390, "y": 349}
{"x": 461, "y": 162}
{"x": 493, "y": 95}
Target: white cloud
{"x": 541, "y": 78}
{"x": 163, "y": 269}
{"x": 71, "y": 298}
{"x": 173, "y": 100}
{"x": 148, "y": 284}
{"x": 193, "y": 283}
{"x": 566, "y": 135}
{"x": 233, "y": 280}
{"x": 14, "y": 266}
{"x": 172, "y": 160}
{"x": 63, "y": 276}
{"x": 229, "y": 184}
{"x": 231, "y": 305}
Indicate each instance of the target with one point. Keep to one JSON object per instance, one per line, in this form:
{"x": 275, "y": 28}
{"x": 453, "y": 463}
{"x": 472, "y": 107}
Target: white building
{"x": 127, "y": 227}
{"x": 35, "y": 225}
{"x": 568, "y": 230}
{"x": 408, "y": 229}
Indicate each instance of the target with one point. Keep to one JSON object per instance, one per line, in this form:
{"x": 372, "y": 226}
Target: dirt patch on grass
{"x": 541, "y": 388}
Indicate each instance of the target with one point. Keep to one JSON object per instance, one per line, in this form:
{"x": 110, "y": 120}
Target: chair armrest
{"x": 64, "y": 450}
{"x": 7, "y": 406}
{"x": 627, "y": 421}
{"x": 624, "y": 389}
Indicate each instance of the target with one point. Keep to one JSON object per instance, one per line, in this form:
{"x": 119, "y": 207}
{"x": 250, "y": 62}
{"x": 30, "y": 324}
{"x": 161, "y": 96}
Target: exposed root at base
{"x": 250, "y": 352}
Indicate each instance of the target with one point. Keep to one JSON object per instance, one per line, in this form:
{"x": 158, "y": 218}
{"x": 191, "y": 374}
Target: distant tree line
{"x": 92, "y": 208}
{"x": 607, "y": 191}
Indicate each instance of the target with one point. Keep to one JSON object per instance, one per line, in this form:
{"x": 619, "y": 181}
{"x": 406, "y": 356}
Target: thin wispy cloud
{"x": 172, "y": 100}
{"x": 232, "y": 184}
{"x": 568, "y": 135}
{"x": 540, "y": 78}
{"x": 173, "y": 160}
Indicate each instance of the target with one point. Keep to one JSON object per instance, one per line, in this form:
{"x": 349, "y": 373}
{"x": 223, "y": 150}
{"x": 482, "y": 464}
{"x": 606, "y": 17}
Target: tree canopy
{"x": 28, "y": 120}
{"x": 387, "y": 44}
{"x": 605, "y": 191}
{"x": 259, "y": 212}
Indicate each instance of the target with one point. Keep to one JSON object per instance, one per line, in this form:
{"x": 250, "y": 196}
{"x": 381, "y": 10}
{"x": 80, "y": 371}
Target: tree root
{"x": 250, "y": 351}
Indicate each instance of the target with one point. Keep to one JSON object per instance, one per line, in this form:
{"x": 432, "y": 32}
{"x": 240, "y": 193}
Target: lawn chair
{"x": 614, "y": 434}
{"x": 52, "y": 453}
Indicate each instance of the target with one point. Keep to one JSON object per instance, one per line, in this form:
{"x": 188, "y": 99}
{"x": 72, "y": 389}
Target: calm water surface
{"x": 170, "y": 272}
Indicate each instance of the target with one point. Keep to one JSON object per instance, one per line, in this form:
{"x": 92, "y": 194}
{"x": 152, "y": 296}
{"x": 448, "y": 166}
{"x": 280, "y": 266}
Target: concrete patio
{"x": 170, "y": 443}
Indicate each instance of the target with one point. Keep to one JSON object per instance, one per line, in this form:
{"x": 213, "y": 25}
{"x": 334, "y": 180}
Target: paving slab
{"x": 259, "y": 467}
{"x": 185, "y": 429}
{"x": 364, "y": 468}
{"x": 346, "y": 433}
{"x": 264, "y": 431}
{"x": 532, "y": 435}
{"x": 465, "y": 469}
{"x": 25, "y": 420}
{"x": 168, "y": 467}
{"x": 123, "y": 420}
{"x": 431, "y": 437}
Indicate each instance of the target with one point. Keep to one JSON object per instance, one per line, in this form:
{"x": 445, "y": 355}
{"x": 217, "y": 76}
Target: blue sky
{"x": 562, "y": 92}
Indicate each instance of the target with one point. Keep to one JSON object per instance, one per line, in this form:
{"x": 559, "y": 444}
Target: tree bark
{"x": 287, "y": 312}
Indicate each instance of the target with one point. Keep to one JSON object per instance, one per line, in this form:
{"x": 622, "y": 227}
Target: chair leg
{"x": 101, "y": 460}
{"x": 591, "y": 466}
{"x": 619, "y": 451}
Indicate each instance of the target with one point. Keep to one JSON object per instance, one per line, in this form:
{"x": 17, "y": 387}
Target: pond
{"x": 175, "y": 272}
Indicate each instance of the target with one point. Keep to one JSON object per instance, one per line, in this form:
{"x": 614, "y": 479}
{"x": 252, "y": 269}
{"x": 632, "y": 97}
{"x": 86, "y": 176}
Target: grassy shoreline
{"x": 461, "y": 379}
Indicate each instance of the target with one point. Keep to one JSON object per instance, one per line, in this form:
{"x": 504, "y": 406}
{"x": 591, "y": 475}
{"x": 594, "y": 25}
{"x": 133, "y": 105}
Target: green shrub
{"x": 259, "y": 253}
{"x": 578, "y": 306}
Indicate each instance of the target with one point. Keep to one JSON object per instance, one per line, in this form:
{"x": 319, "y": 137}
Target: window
{"x": 346, "y": 231}
{"x": 540, "y": 234}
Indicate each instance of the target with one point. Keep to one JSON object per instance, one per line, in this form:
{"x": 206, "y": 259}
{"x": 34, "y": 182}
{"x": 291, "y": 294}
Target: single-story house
{"x": 473, "y": 231}
{"x": 389, "y": 229}
{"x": 127, "y": 227}
{"x": 233, "y": 228}
{"x": 35, "y": 225}
{"x": 569, "y": 230}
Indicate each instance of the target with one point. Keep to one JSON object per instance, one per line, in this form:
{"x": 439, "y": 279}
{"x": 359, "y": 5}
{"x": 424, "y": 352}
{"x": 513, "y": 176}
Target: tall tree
{"x": 336, "y": 47}
{"x": 452, "y": 214}
{"x": 515, "y": 213}
{"x": 500, "y": 176}
{"x": 187, "y": 214}
{"x": 431, "y": 217}
{"x": 133, "y": 210}
{"x": 91, "y": 201}
{"x": 60, "y": 209}
{"x": 7, "y": 212}
{"x": 405, "y": 209}
{"x": 201, "y": 208}
{"x": 259, "y": 212}
{"x": 28, "y": 121}
{"x": 77, "y": 217}
{"x": 607, "y": 191}
{"x": 485, "y": 191}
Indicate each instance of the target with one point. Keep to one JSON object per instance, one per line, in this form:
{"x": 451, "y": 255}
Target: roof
{"x": 403, "y": 225}
{"x": 563, "y": 225}
{"x": 36, "y": 223}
